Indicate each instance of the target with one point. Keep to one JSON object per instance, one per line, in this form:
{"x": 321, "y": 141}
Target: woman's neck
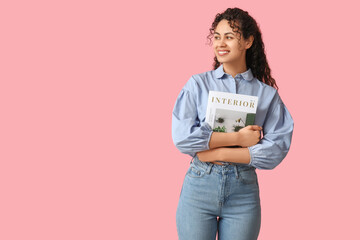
{"x": 234, "y": 69}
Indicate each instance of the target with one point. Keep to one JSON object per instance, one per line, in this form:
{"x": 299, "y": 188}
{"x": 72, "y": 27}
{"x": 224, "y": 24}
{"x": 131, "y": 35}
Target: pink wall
{"x": 86, "y": 95}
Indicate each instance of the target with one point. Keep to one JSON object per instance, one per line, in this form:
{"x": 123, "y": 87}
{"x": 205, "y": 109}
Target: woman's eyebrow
{"x": 225, "y": 33}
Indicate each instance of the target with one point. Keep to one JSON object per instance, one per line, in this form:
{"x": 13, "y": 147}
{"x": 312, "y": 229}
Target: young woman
{"x": 220, "y": 192}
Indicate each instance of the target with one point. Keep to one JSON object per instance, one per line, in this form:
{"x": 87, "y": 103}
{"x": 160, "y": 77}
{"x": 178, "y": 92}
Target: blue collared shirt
{"x": 191, "y": 134}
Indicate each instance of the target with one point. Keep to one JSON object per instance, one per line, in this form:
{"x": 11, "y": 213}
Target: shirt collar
{"x": 248, "y": 75}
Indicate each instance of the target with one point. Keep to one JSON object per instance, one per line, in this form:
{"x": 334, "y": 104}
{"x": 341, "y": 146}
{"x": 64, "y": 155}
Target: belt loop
{"x": 208, "y": 170}
{"x": 236, "y": 172}
{"x": 192, "y": 159}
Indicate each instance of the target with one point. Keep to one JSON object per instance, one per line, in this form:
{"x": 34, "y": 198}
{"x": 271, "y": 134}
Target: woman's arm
{"x": 235, "y": 155}
{"x": 246, "y": 137}
{"x": 274, "y": 146}
{"x": 188, "y": 133}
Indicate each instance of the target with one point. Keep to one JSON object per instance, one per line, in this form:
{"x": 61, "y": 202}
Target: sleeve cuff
{"x": 206, "y": 128}
{"x": 251, "y": 156}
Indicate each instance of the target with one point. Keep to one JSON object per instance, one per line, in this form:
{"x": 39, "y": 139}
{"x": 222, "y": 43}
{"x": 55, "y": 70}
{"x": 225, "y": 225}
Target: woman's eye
{"x": 219, "y": 38}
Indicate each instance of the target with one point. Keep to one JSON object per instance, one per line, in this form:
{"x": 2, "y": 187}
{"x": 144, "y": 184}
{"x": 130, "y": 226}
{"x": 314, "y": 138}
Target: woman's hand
{"x": 248, "y": 136}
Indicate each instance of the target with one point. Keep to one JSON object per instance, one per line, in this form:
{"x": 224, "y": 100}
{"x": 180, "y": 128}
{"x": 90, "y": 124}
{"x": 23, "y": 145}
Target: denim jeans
{"x": 219, "y": 200}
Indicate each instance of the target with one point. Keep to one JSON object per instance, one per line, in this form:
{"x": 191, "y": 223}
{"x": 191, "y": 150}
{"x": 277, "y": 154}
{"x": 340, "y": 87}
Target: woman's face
{"x": 226, "y": 44}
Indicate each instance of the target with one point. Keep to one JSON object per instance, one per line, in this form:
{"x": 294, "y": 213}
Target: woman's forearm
{"x": 221, "y": 139}
{"x": 246, "y": 137}
{"x": 235, "y": 155}
{"x": 211, "y": 155}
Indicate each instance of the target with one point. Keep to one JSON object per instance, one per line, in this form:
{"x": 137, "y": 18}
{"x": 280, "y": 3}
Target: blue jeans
{"x": 221, "y": 200}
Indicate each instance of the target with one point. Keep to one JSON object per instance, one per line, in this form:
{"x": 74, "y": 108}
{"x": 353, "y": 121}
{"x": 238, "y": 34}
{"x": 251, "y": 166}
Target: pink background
{"x": 86, "y": 95}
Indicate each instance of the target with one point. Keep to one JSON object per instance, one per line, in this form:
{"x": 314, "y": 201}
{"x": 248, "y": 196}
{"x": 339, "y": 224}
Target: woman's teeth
{"x": 221, "y": 53}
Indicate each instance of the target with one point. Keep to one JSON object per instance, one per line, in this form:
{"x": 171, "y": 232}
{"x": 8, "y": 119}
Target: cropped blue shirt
{"x": 191, "y": 134}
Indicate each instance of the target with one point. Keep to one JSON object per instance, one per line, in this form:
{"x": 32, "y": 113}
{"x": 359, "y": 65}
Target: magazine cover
{"x": 229, "y": 112}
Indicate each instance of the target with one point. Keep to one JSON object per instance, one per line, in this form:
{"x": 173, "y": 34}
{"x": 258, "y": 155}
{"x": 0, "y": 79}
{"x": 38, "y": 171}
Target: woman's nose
{"x": 222, "y": 42}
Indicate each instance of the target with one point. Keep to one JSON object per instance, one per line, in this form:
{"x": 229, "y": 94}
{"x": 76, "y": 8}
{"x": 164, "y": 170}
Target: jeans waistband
{"x": 208, "y": 166}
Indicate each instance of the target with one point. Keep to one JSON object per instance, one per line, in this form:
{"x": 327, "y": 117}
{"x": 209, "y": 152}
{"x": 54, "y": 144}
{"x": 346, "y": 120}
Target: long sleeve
{"x": 274, "y": 146}
{"x": 188, "y": 133}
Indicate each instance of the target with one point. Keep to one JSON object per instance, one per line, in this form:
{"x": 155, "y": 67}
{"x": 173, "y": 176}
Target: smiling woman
{"x": 230, "y": 48}
{"x": 220, "y": 193}
{"x": 240, "y": 25}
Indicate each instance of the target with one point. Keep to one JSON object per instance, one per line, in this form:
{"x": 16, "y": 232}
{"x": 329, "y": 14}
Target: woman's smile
{"x": 222, "y": 53}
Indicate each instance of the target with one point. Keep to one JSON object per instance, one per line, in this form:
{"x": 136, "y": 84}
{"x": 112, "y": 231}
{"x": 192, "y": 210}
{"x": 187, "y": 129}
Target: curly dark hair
{"x": 241, "y": 22}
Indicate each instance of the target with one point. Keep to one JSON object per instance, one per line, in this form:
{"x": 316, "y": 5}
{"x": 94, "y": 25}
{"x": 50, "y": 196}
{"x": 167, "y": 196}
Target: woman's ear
{"x": 249, "y": 42}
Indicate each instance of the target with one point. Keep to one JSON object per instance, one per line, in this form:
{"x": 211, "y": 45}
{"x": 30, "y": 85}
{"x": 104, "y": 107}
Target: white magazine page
{"x": 228, "y": 112}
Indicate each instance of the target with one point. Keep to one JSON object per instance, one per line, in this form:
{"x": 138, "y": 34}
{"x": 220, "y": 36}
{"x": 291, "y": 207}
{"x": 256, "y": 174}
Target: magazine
{"x": 230, "y": 112}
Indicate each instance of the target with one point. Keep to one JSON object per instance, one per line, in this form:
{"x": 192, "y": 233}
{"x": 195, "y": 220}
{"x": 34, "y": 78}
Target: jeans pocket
{"x": 248, "y": 176}
{"x": 195, "y": 172}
